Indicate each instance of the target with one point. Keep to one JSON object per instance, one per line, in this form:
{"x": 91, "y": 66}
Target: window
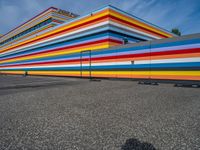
{"x": 28, "y": 30}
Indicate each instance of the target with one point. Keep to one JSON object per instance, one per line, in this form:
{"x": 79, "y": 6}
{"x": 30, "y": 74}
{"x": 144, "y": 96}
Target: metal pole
{"x": 90, "y": 65}
{"x": 81, "y": 64}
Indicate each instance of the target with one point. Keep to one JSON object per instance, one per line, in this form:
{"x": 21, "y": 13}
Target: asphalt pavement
{"x": 77, "y": 114}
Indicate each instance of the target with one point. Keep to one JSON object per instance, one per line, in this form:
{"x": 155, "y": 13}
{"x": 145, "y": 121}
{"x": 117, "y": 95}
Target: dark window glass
{"x": 28, "y": 30}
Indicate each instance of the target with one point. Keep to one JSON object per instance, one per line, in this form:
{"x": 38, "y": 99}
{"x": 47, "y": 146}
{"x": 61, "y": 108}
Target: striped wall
{"x": 175, "y": 58}
{"x": 81, "y": 48}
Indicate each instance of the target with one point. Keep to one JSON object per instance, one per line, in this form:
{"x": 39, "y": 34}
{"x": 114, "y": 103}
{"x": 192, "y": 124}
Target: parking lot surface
{"x": 71, "y": 113}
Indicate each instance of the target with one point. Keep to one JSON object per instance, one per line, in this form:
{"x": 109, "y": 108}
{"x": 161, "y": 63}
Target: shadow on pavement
{"x": 134, "y": 144}
{"x": 19, "y": 86}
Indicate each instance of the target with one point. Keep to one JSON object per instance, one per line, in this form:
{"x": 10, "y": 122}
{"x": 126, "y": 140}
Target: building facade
{"x": 105, "y": 43}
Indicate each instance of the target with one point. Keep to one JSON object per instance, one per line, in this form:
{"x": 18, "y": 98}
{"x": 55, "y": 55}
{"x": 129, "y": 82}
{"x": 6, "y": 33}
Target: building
{"x": 105, "y": 43}
{"x": 123, "y": 28}
{"x": 46, "y": 20}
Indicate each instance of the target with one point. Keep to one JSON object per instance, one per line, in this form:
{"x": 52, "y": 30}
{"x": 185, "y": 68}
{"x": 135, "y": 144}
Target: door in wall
{"x": 85, "y": 64}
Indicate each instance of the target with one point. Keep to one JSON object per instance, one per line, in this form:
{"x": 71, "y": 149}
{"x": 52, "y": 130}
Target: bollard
{"x": 25, "y": 73}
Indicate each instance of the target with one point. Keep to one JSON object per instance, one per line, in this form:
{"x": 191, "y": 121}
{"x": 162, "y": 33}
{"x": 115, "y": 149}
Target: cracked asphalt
{"x": 76, "y": 114}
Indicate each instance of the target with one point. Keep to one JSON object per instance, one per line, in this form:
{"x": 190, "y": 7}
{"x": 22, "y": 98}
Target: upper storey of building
{"x": 105, "y": 27}
{"x": 43, "y": 21}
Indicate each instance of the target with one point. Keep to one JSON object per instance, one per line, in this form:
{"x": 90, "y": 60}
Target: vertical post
{"x": 81, "y": 64}
{"x": 90, "y": 63}
{"x": 25, "y": 73}
{"x": 150, "y": 69}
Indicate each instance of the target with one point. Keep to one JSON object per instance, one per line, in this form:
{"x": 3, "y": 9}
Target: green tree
{"x": 176, "y": 31}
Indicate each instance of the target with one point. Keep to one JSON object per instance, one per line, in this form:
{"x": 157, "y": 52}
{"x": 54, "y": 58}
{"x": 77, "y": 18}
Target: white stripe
{"x": 78, "y": 65}
{"x": 176, "y": 60}
{"x": 176, "y": 47}
{"x": 134, "y": 30}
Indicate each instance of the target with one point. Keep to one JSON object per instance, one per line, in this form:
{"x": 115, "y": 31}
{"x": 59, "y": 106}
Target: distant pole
{"x": 125, "y": 41}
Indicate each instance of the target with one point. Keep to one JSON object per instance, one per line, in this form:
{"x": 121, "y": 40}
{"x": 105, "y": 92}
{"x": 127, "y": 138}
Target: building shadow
{"x": 134, "y": 144}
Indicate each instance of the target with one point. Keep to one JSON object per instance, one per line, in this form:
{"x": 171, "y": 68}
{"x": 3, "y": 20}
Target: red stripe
{"x": 57, "y": 21}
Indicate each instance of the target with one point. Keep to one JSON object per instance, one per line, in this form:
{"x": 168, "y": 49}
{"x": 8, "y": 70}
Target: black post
{"x": 90, "y": 63}
{"x": 81, "y": 64}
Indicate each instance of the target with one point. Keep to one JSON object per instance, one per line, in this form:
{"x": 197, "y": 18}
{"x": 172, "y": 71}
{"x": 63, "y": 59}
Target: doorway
{"x": 85, "y": 64}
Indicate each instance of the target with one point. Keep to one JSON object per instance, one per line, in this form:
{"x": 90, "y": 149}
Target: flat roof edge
{"x": 157, "y": 41}
{"x": 29, "y": 20}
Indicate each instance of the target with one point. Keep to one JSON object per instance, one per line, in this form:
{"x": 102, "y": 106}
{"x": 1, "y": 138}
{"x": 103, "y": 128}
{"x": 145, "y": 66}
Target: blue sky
{"x": 183, "y": 14}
